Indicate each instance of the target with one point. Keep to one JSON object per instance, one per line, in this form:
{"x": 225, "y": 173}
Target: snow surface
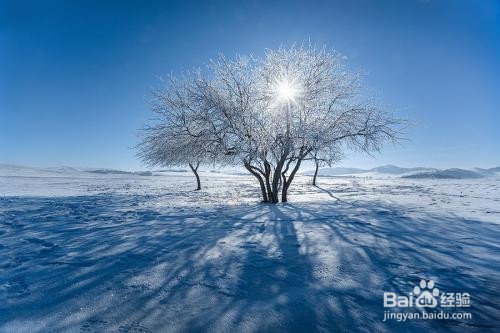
{"x": 107, "y": 252}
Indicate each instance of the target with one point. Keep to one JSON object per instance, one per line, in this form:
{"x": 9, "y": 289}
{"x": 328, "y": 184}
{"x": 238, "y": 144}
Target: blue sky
{"x": 75, "y": 75}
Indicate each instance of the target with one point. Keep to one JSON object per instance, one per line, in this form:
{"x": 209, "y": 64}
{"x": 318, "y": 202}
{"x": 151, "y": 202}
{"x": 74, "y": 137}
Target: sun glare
{"x": 286, "y": 91}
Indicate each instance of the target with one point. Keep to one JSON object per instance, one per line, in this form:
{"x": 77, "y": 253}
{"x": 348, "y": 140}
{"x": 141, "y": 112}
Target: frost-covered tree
{"x": 272, "y": 113}
{"x": 168, "y": 142}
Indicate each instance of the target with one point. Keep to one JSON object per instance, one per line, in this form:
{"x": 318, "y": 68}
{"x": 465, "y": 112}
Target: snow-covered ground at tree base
{"x": 109, "y": 252}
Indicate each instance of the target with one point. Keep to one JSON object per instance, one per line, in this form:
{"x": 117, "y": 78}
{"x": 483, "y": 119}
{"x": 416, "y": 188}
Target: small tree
{"x": 328, "y": 160}
{"x": 272, "y": 113}
{"x": 169, "y": 142}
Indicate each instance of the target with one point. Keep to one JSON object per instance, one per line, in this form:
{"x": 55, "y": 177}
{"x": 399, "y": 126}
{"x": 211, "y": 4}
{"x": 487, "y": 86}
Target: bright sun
{"x": 286, "y": 90}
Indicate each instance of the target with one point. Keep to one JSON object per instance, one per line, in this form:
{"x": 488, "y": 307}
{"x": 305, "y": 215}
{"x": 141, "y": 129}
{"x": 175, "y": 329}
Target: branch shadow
{"x": 112, "y": 263}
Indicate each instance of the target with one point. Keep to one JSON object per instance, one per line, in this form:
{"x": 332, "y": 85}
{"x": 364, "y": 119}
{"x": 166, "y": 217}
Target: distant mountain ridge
{"x": 15, "y": 170}
{"x": 385, "y": 170}
{"x": 446, "y": 174}
{"x": 119, "y": 172}
{"x": 395, "y": 170}
{"x": 412, "y": 173}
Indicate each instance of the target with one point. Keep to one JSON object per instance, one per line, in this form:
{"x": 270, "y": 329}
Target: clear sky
{"x": 75, "y": 75}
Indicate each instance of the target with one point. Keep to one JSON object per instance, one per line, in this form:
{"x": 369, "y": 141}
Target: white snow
{"x": 94, "y": 252}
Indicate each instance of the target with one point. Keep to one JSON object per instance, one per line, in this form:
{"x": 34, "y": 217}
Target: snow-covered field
{"x": 88, "y": 252}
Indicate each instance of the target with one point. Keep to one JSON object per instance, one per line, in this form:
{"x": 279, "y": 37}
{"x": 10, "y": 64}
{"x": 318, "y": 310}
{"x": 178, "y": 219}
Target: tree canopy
{"x": 268, "y": 114}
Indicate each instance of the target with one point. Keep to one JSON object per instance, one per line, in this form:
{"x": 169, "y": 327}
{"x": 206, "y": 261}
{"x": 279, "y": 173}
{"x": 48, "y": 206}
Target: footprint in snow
{"x": 16, "y": 287}
{"x": 133, "y": 327}
{"x": 40, "y": 242}
{"x": 94, "y": 325}
{"x": 247, "y": 246}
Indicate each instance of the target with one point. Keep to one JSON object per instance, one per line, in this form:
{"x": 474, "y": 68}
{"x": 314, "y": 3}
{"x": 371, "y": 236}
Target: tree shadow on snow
{"x": 111, "y": 262}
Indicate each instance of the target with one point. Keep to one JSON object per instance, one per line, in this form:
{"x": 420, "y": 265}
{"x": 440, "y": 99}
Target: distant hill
{"x": 411, "y": 173}
{"x": 446, "y": 174}
{"x": 119, "y": 172}
{"x": 395, "y": 170}
{"x": 386, "y": 171}
{"x": 63, "y": 171}
{"x": 337, "y": 171}
{"x": 391, "y": 170}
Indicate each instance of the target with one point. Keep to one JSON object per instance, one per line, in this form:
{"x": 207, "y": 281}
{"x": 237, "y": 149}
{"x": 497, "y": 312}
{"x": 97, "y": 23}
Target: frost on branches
{"x": 267, "y": 114}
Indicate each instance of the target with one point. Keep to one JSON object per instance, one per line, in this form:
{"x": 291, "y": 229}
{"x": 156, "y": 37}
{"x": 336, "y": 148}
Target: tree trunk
{"x": 195, "y": 171}
{"x": 261, "y": 182}
{"x": 284, "y": 179}
{"x": 267, "y": 172}
{"x": 315, "y": 173}
{"x": 277, "y": 179}
{"x": 287, "y": 184}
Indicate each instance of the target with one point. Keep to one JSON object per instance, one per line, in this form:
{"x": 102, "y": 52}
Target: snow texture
{"x": 108, "y": 252}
